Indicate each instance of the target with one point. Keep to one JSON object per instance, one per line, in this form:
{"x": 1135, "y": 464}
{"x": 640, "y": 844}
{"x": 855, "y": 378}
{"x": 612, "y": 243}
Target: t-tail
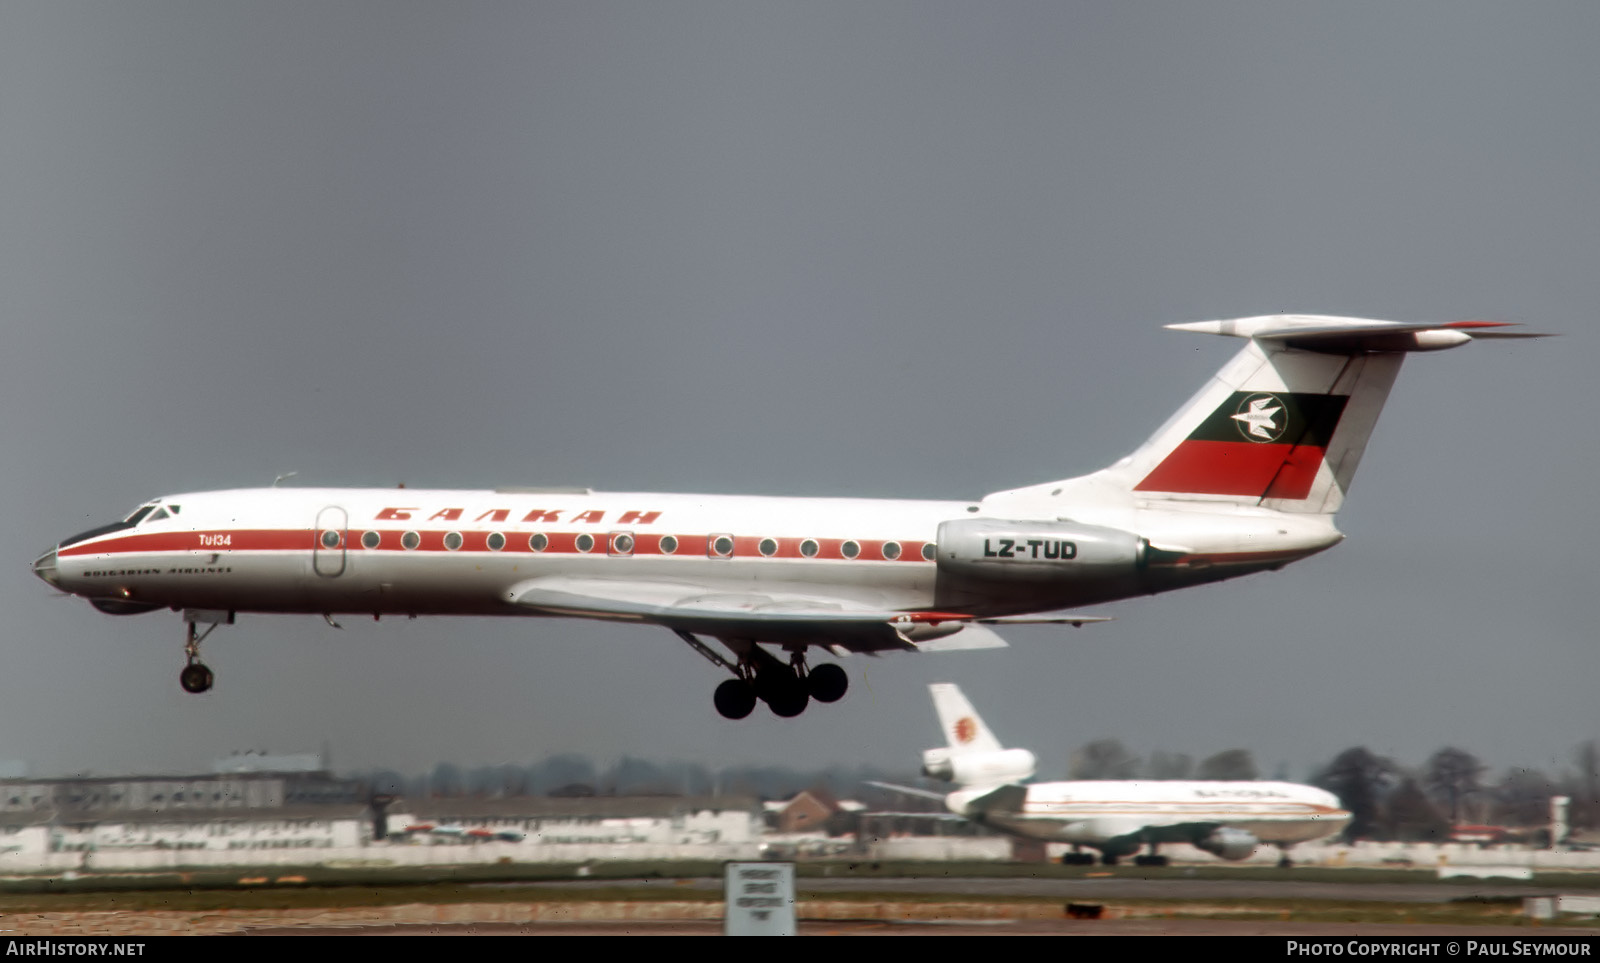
{"x": 973, "y": 756}
{"x": 1284, "y": 424}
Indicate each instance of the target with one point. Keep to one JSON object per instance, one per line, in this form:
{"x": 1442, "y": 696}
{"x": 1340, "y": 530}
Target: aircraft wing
{"x": 909, "y": 790}
{"x": 1045, "y": 618}
{"x": 839, "y": 623}
{"x": 999, "y": 800}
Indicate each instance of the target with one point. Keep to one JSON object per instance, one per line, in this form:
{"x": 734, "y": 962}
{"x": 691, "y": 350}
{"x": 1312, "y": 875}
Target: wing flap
{"x": 799, "y": 618}
{"x": 1045, "y": 618}
{"x": 840, "y": 623}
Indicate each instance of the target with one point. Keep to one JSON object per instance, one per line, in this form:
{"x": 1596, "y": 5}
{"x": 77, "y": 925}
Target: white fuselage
{"x": 1098, "y": 812}
{"x": 454, "y": 552}
{"x": 413, "y": 551}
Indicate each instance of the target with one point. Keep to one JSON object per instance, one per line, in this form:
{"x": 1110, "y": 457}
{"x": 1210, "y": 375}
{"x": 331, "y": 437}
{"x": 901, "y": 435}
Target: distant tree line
{"x": 1389, "y": 802}
{"x": 1386, "y": 800}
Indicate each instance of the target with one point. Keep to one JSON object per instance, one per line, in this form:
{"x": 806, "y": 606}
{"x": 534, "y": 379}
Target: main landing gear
{"x": 196, "y": 675}
{"x": 760, "y": 676}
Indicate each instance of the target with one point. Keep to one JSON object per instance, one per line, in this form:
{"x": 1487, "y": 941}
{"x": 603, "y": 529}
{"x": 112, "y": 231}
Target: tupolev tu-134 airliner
{"x": 1245, "y": 477}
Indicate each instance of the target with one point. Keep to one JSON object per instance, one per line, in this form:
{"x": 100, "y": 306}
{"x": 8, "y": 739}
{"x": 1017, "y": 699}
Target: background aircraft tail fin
{"x": 964, "y": 729}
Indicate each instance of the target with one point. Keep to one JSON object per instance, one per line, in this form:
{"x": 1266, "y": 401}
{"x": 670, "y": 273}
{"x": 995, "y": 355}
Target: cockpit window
{"x": 157, "y": 515}
{"x": 174, "y": 509}
{"x": 139, "y": 515}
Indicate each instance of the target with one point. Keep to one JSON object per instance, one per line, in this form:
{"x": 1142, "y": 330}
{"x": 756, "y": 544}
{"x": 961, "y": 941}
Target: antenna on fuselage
{"x": 287, "y": 474}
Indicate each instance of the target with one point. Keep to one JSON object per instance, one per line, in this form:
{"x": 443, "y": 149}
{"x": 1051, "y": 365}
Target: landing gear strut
{"x": 196, "y": 675}
{"x": 1151, "y": 858}
{"x": 759, "y": 675}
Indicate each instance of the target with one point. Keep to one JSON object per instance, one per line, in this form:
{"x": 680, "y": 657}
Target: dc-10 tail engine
{"x": 978, "y": 768}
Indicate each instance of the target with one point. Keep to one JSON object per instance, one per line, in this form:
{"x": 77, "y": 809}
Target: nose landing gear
{"x": 196, "y": 676}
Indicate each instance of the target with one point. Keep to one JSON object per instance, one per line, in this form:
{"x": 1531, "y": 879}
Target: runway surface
{"x": 1082, "y": 890}
{"x": 1133, "y": 927}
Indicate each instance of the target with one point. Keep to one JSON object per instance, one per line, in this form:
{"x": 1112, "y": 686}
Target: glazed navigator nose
{"x": 45, "y": 567}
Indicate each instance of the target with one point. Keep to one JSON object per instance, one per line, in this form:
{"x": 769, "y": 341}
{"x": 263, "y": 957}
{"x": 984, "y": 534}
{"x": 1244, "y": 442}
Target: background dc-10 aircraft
{"x": 1118, "y": 817}
{"x": 1245, "y": 477}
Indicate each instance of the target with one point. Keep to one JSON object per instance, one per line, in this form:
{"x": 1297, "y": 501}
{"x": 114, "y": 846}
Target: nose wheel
{"x": 196, "y": 676}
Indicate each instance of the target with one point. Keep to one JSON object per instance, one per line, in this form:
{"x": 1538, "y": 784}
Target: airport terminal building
{"x": 241, "y": 813}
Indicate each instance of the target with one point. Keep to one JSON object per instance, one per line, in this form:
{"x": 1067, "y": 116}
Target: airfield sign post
{"x": 759, "y": 899}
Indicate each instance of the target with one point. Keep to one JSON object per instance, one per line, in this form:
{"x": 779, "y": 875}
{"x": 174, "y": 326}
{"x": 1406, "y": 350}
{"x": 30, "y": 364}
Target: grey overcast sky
{"x": 866, "y": 247}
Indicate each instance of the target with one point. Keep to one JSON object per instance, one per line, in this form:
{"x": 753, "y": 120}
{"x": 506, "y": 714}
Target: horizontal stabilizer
{"x": 1330, "y": 335}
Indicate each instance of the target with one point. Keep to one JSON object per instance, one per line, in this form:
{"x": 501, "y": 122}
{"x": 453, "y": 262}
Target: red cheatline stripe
{"x": 1234, "y": 468}
{"x": 559, "y": 543}
{"x": 259, "y": 540}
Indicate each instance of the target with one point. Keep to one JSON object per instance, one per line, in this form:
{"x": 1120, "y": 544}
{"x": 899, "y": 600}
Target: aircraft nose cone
{"x": 45, "y": 567}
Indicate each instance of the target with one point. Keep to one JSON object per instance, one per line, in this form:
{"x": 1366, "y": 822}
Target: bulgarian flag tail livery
{"x": 1284, "y": 424}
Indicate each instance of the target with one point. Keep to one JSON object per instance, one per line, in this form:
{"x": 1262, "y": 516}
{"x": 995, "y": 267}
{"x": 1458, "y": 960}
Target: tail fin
{"x": 1284, "y": 424}
{"x": 974, "y": 757}
{"x": 964, "y": 729}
